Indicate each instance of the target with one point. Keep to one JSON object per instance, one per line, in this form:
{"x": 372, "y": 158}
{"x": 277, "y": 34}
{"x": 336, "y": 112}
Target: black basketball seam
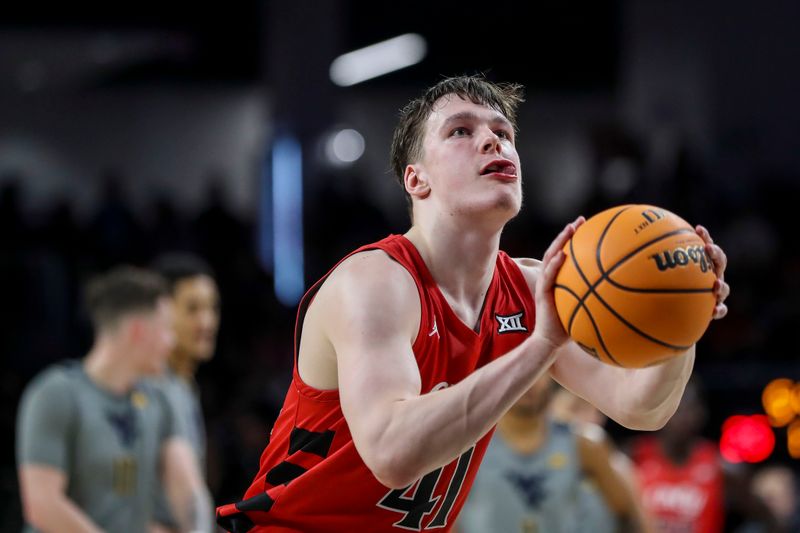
{"x": 604, "y": 276}
{"x": 602, "y": 238}
{"x": 582, "y": 300}
{"x": 591, "y": 319}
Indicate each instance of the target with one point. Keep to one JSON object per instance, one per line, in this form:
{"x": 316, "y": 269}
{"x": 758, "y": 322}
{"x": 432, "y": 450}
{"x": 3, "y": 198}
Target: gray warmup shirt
{"x": 185, "y": 403}
{"x": 107, "y": 445}
{"x": 543, "y": 492}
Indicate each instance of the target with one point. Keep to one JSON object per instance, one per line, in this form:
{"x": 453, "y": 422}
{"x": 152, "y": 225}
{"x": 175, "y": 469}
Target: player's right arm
{"x": 370, "y": 313}
{"x": 45, "y": 415}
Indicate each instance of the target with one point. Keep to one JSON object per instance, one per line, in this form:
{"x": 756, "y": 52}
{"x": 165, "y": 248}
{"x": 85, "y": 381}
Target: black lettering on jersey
{"x": 510, "y": 323}
{"x": 311, "y": 441}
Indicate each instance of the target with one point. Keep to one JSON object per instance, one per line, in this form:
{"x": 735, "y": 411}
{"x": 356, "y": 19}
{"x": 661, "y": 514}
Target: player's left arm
{"x": 642, "y": 398}
{"x": 185, "y": 488}
{"x": 606, "y": 467}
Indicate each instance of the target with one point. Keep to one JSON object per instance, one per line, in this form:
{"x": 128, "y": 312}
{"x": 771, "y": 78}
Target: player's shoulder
{"x": 57, "y": 378}
{"x": 368, "y": 275}
{"x": 592, "y": 440}
{"x": 53, "y": 391}
{"x": 529, "y": 267}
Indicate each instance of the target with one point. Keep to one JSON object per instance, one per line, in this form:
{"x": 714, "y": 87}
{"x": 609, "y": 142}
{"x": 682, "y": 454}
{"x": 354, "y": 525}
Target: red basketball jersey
{"x": 311, "y": 477}
{"x": 684, "y": 498}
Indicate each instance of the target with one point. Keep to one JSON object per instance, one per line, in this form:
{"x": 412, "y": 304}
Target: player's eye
{"x": 459, "y": 132}
{"x": 503, "y": 134}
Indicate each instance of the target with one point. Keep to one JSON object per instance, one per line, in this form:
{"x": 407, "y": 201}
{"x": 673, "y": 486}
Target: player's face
{"x": 156, "y": 338}
{"x": 196, "y": 310}
{"x": 470, "y": 161}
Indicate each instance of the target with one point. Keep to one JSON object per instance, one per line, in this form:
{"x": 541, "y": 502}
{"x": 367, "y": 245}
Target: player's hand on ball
{"x": 720, "y": 261}
{"x": 548, "y": 326}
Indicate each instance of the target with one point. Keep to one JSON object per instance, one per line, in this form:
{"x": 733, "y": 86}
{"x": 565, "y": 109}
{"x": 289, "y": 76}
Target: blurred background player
{"x": 685, "y": 485}
{"x": 536, "y": 474}
{"x": 93, "y": 439}
{"x": 572, "y": 409}
{"x": 196, "y": 316}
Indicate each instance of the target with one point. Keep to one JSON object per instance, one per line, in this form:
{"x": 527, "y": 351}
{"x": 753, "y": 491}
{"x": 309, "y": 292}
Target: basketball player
{"x": 411, "y": 348}
{"x": 93, "y": 439}
{"x": 541, "y": 475}
{"x": 684, "y": 484}
{"x": 570, "y": 409}
{"x": 195, "y": 300}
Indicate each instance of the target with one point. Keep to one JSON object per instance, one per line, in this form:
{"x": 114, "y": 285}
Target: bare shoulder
{"x": 592, "y": 433}
{"x": 370, "y": 286}
{"x": 592, "y": 440}
{"x": 530, "y": 268}
{"x": 364, "y": 273}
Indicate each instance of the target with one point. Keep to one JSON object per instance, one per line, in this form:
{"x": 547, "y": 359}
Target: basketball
{"x": 636, "y": 286}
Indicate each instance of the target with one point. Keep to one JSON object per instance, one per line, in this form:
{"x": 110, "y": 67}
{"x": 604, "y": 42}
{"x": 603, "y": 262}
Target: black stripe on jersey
{"x": 311, "y": 441}
{"x": 238, "y": 523}
{"x": 283, "y": 473}
{"x": 260, "y": 502}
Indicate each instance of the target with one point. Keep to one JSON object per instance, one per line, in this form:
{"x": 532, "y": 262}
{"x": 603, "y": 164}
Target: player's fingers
{"x": 719, "y": 259}
{"x": 551, "y": 269}
{"x": 722, "y": 290}
{"x": 720, "y": 311}
{"x": 704, "y": 234}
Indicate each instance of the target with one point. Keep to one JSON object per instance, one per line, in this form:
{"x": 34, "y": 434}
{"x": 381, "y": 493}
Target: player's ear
{"x": 415, "y": 182}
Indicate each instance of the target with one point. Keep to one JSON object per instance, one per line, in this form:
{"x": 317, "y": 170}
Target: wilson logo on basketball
{"x": 680, "y": 257}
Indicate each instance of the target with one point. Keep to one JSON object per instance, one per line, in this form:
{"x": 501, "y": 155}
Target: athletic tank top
{"x": 684, "y": 498}
{"x": 311, "y": 477}
{"x": 535, "y": 492}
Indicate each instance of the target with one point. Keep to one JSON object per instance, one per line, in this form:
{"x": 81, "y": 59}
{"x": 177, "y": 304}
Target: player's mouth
{"x": 501, "y": 169}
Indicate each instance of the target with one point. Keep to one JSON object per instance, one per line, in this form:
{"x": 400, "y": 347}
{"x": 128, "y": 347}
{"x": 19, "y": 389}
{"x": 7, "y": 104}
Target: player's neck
{"x": 461, "y": 259}
{"x": 523, "y": 434}
{"x": 107, "y": 368}
{"x": 182, "y": 364}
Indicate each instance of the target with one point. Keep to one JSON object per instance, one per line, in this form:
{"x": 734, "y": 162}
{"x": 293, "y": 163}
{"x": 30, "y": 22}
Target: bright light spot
{"x": 793, "y": 439}
{"x": 378, "y": 59}
{"x": 287, "y": 212}
{"x": 746, "y": 439}
{"x": 344, "y": 147}
{"x": 778, "y": 401}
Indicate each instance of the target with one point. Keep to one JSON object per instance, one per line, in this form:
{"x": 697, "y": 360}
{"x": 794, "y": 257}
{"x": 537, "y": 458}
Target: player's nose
{"x": 490, "y": 143}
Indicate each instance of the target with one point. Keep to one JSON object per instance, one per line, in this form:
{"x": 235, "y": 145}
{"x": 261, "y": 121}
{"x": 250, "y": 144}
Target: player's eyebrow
{"x": 469, "y": 116}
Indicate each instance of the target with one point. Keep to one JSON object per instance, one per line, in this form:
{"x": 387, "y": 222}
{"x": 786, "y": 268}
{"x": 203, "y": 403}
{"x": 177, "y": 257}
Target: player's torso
{"x": 685, "y": 498}
{"x": 311, "y": 451}
{"x": 526, "y": 492}
{"x": 113, "y": 453}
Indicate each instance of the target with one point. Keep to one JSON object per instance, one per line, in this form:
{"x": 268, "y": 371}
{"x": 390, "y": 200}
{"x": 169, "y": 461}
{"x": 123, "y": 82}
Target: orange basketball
{"x": 636, "y": 287}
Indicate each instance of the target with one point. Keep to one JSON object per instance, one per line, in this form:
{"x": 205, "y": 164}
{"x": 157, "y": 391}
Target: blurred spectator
{"x": 776, "y": 485}
{"x": 685, "y": 485}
